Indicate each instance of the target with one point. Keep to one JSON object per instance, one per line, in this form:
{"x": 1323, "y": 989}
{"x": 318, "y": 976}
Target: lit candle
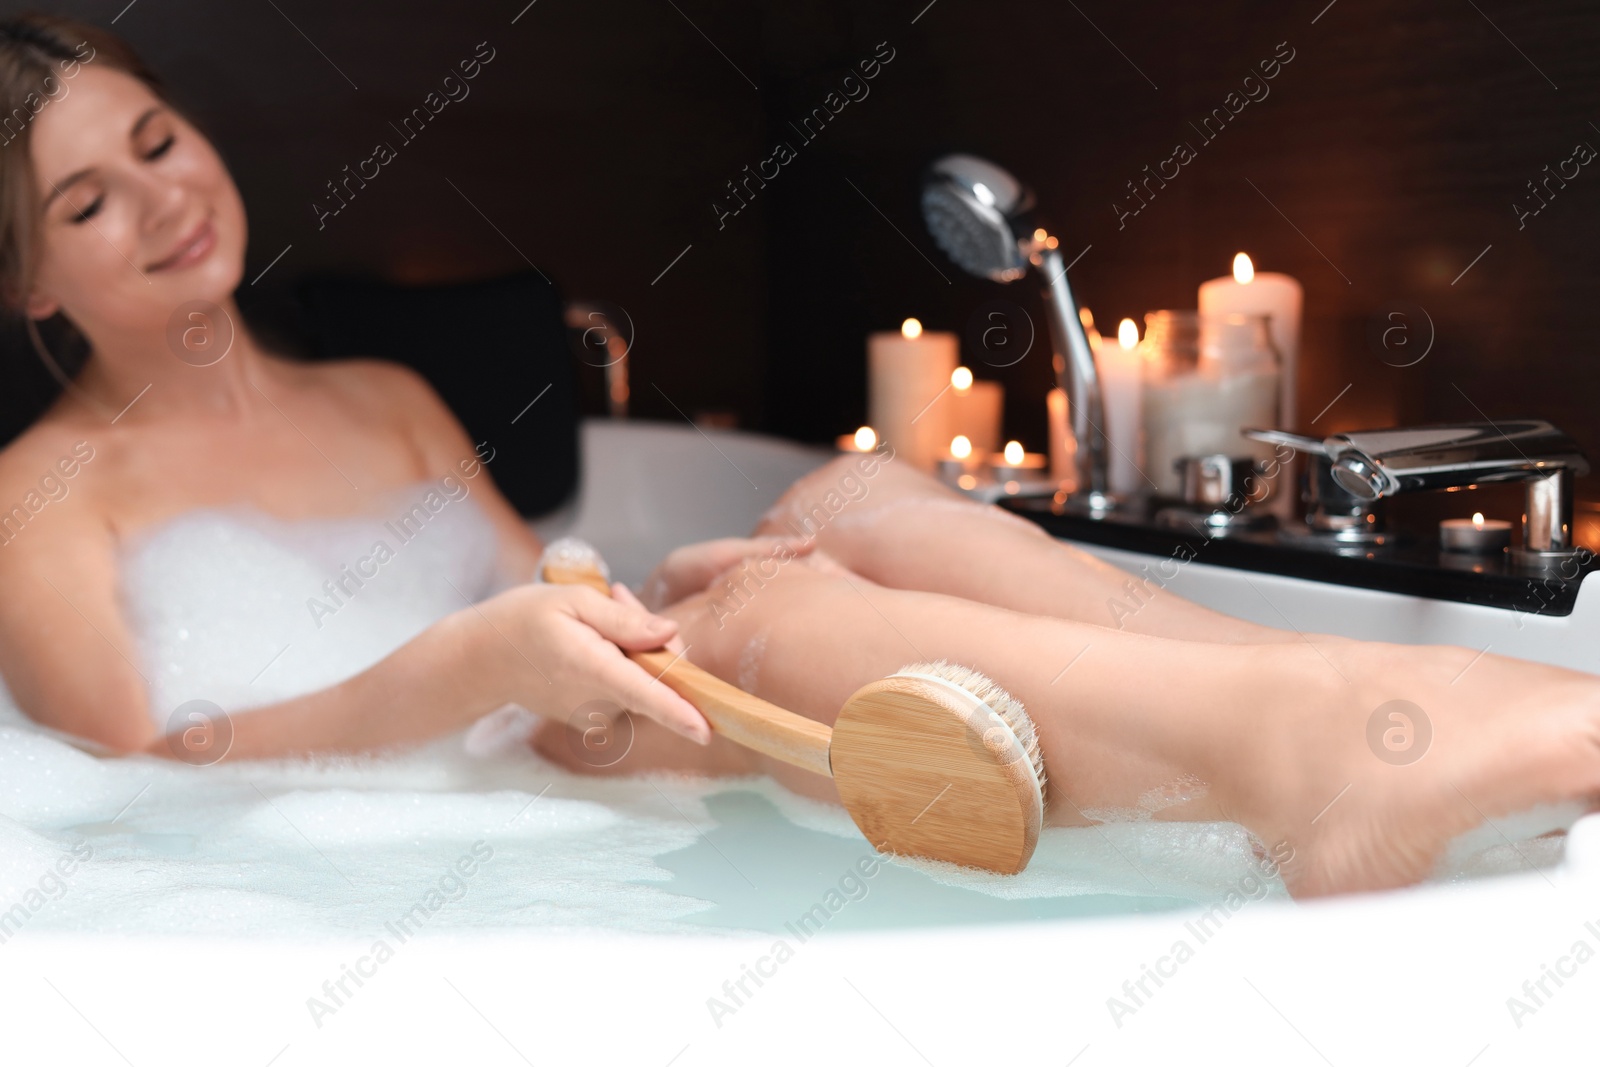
{"x": 1013, "y": 465}
{"x": 863, "y": 440}
{"x": 907, "y": 373}
{"x": 1477, "y": 534}
{"x": 974, "y": 410}
{"x": 1121, "y": 372}
{"x": 957, "y": 462}
{"x": 1277, "y": 296}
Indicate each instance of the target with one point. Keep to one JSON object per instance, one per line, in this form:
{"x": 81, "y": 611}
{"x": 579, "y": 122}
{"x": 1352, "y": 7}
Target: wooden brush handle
{"x": 742, "y": 718}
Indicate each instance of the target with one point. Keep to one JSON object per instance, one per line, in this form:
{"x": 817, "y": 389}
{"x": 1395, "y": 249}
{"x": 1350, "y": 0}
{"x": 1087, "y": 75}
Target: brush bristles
{"x": 572, "y": 554}
{"x": 1007, "y": 707}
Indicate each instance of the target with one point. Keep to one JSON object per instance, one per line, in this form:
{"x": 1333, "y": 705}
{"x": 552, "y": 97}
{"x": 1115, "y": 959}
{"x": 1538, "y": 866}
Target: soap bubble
{"x": 199, "y": 733}
{"x": 1000, "y": 332}
{"x": 200, "y": 333}
{"x": 1399, "y": 732}
{"x": 1400, "y": 333}
{"x": 599, "y": 733}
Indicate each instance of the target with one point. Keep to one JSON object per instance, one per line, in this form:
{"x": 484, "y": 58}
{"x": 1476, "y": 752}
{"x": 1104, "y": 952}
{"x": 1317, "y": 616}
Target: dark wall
{"x": 1387, "y": 157}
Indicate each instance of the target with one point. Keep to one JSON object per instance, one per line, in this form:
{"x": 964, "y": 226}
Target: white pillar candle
{"x": 1121, "y": 372}
{"x": 975, "y": 410}
{"x": 1276, "y": 295}
{"x": 907, "y": 373}
{"x": 1063, "y": 446}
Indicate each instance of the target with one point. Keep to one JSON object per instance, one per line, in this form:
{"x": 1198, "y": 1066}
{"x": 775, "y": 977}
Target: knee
{"x": 803, "y": 509}
{"x": 845, "y": 483}
{"x": 719, "y": 621}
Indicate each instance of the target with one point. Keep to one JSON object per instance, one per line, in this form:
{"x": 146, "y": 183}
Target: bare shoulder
{"x": 394, "y": 387}
{"x": 395, "y": 393}
{"x": 45, "y": 463}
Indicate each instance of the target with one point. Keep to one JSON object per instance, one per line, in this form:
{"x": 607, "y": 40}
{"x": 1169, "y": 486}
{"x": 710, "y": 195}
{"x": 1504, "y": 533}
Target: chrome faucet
{"x": 1334, "y": 515}
{"x": 1371, "y": 465}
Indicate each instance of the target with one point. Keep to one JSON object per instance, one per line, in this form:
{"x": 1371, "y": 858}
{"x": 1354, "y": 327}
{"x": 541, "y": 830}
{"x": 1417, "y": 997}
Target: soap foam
{"x": 1181, "y": 790}
{"x": 750, "y": 658}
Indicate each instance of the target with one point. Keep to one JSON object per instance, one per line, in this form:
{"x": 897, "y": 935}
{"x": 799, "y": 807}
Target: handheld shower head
{"x": 969, "y": 204}
{"x": 982, "y": 218}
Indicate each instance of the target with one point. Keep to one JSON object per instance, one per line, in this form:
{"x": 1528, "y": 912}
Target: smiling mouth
{"x": 194, "y": 248}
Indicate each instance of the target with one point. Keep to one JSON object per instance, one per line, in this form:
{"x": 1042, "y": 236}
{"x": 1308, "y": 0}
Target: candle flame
{"x": 961, "y": 379}
{"x": 1128, "y": 334}
{"x": 866, "y": 439}
{"x": 960, "y": 446}
{"x": 1244, "y": 272}
{"x": 911, "y": 329}
{"x": 1086, "y": 317}
{"x": 1477, "y": 519}
{"x": 1040, "y": 235}
{"x": 1014, "y": 453}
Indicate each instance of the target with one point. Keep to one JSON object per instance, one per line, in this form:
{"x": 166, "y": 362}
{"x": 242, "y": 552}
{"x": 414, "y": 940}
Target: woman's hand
{"x": 554, "y": 648}
{"x": 690, "y": 569}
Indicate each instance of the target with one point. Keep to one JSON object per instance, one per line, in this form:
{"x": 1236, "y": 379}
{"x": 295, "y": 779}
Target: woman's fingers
{"x": 641, "y": 692}
{"x": 690, "y": 569}
{"x": 624, "y": 594}
{"x": 742, "y": 548}
{"x": 576, "y": 631}
{"x": 622, "y": 622}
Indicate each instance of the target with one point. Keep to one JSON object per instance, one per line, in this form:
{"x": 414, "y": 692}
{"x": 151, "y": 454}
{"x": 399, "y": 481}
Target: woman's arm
{"x": 551, "y": 649}
{"x": 70, "y": 660}
{"x": 65, "y": 650}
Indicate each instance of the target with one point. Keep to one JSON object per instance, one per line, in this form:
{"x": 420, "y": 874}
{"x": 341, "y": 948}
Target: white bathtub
{"x": 1413, "y": 977}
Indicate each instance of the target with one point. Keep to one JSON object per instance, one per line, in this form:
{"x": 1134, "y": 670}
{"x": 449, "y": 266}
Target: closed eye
{"x": 161, "y": 149}
{"x": 89, "y": 211}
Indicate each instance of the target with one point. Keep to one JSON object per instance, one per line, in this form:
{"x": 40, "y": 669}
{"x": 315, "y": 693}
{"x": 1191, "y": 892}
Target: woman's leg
{"x": 906, "y": 530}
{"x": 1279, "y": 734}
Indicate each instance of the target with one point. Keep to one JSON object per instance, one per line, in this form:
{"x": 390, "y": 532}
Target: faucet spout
{"x": 1373, "y": 464}
{"x": 1379, "y": 463}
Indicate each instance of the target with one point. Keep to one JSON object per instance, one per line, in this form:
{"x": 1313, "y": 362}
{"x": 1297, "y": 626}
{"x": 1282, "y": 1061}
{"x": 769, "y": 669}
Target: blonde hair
{"x": 36, "y": 52}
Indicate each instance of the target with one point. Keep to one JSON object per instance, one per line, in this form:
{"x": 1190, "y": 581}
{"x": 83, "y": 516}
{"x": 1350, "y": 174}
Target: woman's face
{"x": 140, "y": 214}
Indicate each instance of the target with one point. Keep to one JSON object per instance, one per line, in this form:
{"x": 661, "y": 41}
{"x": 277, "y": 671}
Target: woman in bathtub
{"x": 116, "y": 211}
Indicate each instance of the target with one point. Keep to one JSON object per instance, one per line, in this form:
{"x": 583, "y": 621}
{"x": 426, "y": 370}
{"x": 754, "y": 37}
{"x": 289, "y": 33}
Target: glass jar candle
{"x": 1206, "y": 378}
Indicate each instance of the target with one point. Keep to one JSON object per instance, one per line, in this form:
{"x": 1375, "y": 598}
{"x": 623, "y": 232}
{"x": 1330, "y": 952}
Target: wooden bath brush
{"x": 935, "y": 760}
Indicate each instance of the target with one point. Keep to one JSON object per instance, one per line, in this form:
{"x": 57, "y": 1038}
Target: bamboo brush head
{"x": 939, "y": 761}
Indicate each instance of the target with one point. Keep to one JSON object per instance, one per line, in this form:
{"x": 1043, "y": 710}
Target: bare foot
{"x": 1367, "y": 759}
